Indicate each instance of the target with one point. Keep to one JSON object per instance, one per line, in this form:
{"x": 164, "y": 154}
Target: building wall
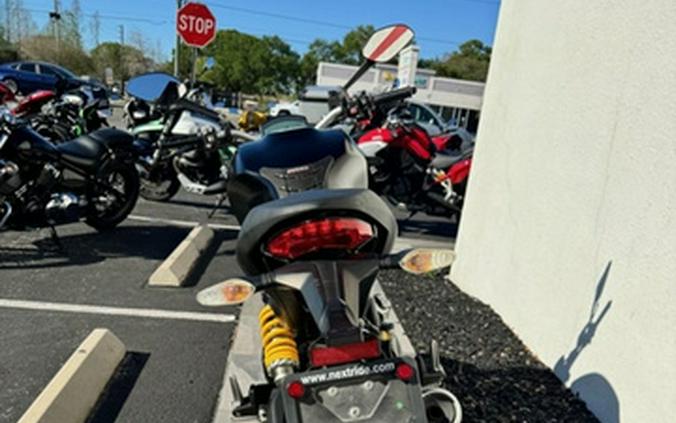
{"x": 569, "y": 229}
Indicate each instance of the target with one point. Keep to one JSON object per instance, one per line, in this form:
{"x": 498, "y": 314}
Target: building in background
{"x": 455, "y": 100}
{"x": 569, "y": 226}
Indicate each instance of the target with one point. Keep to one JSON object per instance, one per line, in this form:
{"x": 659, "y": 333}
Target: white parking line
{"x": 182, "y": 223}
{"x": 118, "y": 311}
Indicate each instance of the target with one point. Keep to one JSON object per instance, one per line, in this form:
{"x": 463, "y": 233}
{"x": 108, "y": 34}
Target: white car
{"x": 285, "y": 109}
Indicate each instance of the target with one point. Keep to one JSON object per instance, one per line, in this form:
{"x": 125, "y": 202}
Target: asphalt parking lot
{"x": 51, "y": 298}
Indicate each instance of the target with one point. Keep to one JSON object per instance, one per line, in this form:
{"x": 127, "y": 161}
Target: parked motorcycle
{"x": 190, "y": 145}
{"x": 72, "y": 114}
{"x": 332, "y": 351}
{"x": 41, "y": 184}
{"x": 411, "y": 169}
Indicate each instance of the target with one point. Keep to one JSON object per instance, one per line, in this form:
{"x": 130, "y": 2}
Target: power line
{"x": 109, "y": 17}
{"x": 315, "y": 21}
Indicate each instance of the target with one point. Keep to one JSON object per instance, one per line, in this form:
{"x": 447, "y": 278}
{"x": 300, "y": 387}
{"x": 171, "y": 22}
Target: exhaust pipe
{"x": 442, "y": 406}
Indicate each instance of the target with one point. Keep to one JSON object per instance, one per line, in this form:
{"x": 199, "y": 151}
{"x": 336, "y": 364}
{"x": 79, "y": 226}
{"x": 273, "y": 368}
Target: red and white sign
{"x": 387, "y": 42}
{"x": 196, "y": 25}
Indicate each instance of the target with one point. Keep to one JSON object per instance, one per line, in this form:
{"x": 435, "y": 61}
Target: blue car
{"x": 26, "y": 77}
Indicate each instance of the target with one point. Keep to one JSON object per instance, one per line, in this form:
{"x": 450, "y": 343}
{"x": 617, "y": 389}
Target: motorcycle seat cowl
{"x": 263, "y": 220}
{"x": 87, "y": 150}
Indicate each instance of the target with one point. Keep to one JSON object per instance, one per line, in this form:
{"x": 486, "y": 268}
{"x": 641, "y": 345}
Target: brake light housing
{"x": 349, "y": 353}
{"x": 333, "y": 233}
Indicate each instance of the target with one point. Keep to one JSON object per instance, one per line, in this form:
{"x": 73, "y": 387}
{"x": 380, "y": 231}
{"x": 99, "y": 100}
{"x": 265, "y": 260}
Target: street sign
{"x": 408, "y": 66}
{"x": 196, "y": 25}
{"x": 386, "y": 43}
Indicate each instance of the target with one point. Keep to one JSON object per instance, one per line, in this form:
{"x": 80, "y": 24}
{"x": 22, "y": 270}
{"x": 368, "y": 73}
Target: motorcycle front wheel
{"x": 114, "y": 196}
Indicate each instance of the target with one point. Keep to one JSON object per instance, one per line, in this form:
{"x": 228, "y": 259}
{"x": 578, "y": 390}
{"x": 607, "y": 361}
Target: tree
{"x": 8, "y": 52}
{"x": 469, "y": 62}
{"x": 70, "y": 25}
{"x": 42, "y": 47}
{"x": 245, "y": 63}
{"x": 348, "y": 52}
{"x": 124, "y": 60}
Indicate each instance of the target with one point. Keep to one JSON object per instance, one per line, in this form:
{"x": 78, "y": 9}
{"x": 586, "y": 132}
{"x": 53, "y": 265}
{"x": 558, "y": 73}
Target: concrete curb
{"x": 174, "y": 271}
{"x": 73, "y": 391}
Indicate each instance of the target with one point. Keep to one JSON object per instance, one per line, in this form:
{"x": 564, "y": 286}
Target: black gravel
{"x": 488, "y": 368}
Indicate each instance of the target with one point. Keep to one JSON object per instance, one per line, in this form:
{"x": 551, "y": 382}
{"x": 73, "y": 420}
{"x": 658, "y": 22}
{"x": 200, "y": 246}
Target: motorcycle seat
{"x": 265, "y": 220}
{"x": 444, "y": 160}
{"x": 87, "y": 150}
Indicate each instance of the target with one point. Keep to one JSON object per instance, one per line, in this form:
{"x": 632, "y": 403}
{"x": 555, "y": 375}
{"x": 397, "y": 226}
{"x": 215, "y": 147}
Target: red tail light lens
{"x": 314, "y": 235}
{"x": 405, "y": 372}
{"x": 295, "y": 389}
{"x": 328, "y": 356}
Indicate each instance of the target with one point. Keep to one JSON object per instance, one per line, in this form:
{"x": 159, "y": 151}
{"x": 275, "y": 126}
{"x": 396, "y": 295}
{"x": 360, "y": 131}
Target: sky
{"x": 440, "y": 25}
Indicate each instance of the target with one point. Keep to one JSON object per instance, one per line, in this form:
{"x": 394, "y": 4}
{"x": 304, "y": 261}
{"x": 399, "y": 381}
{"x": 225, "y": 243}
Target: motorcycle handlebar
{"x": 394, "y": 95}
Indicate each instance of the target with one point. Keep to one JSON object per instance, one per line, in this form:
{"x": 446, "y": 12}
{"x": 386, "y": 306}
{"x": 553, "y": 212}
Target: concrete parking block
{"x": 74, "y": 390}
{"x": 175, "y": 270}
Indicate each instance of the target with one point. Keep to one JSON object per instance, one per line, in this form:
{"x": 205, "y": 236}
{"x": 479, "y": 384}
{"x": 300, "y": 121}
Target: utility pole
{"x": 8, "y": 12}
{"x": 55, "y": 16}
{"x": 123, "y": 61}
{"x": 179, "y": 4}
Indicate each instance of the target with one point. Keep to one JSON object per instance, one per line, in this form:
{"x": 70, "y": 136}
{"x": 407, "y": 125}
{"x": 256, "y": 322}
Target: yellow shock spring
{"x": 278, "y": 342}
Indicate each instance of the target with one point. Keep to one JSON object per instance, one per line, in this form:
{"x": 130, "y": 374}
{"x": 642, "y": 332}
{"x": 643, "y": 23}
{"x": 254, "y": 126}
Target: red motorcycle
{"x": 412, "y": 169}
{"x": 28, "y": 106}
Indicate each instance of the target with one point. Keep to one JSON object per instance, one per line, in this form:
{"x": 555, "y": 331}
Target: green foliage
{"x": 469, "y": 62}
{"x": 245, "y": 63}
{"x": 348, "y": 51}
{"x": 8, "y": 52}
{"x": 44, "y": 48}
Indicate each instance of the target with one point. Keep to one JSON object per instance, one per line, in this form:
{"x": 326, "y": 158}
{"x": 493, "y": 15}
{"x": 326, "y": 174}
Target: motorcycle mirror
{"x": 383, "y": 45}
{"x": 425, "y": 260}
{"x": 387, "y": 42}
{"x": 150, "y": 86}
{"x": 230, "y": 292}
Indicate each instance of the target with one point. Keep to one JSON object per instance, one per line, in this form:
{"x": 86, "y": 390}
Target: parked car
{"x": 27, "y": 77}
{"x": 285, "y": 109}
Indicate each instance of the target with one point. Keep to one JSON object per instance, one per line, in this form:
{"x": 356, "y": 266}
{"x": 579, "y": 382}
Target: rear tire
{"x": 124, "y": 180}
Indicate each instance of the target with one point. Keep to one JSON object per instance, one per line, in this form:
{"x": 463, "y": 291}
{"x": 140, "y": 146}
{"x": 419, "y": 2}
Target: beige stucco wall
{"x": 572, "y": 197}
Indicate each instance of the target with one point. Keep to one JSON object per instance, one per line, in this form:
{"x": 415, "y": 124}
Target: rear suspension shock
{"x": 280, "y": 350}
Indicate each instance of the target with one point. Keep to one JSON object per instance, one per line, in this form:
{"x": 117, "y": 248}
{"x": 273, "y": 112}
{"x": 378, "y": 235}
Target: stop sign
{"x": 196, "y": 24}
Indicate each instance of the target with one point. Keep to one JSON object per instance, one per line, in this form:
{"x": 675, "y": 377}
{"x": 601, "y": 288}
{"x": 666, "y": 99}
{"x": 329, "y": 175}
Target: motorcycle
{"x": 73, "y": 114}
{"x": 408, "y": 167}
{"x": 193, "y": 147}
{"x": 42, "y": 185}
{"x": 331, "y": 349}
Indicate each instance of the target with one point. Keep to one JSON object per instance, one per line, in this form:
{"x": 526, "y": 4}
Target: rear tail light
{"x": 328, "y": 356}
{"x": 330, "y": 233}
{"x": 295, "y": 389}
{"x": 405, "y": 372}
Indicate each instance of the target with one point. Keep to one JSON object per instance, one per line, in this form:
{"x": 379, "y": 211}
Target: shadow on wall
{"x": 597, "y": 392}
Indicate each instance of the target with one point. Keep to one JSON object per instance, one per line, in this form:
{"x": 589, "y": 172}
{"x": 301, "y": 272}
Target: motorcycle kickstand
{"x": 54, "y": 236}
{"x": 219, "y": 203}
